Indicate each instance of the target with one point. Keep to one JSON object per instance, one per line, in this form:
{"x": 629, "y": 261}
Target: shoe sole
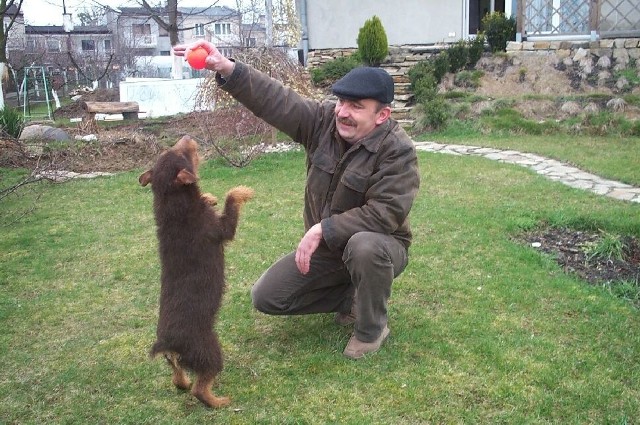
{"x": 384, "y": 336}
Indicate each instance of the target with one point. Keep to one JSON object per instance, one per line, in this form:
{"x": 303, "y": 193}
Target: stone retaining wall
{"x": 605, "y": 55}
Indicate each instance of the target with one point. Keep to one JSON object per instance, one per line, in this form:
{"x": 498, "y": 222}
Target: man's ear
{"x": 383, "y": 115}
{"x": 186, "y": 177}
{"x": 145, "y": 178}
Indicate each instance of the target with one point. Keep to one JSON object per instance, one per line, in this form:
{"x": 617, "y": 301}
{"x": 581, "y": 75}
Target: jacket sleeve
{"x": 275, "y": 103}
{"x": 387, "y": 201}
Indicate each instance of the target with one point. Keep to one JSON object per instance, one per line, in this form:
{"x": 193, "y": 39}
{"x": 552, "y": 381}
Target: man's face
{"x": 355, "y": 119}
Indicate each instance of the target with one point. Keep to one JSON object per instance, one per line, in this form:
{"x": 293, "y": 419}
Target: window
{"x": 222, "y": 29}
{"x": 165, "y": 53}
{"x": 107, "y": 45}
{"x": 163, "y": 32}
{"x": 556, "y": 16}
{"x": 226, "y": 51}
{"x": 88, "y": 46}
{"x": 31, "y": 46}
{"x": 53, "y": 45}
{"x": 141, "y": 29}
{"x": 198, "y": 30}
{"x": 250, "y": 42}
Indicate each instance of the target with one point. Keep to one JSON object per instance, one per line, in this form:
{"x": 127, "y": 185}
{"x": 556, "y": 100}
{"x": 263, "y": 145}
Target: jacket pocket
{"x": 319, "y": 180}
{"x": 350, "y": 193}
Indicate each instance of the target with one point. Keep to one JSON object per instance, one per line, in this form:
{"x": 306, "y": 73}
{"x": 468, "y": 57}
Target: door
{"x": 477, "y": 9}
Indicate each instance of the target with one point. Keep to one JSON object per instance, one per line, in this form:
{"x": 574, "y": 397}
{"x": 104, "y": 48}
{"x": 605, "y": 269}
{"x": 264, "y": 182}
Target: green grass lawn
{"x": 483, "y": 329}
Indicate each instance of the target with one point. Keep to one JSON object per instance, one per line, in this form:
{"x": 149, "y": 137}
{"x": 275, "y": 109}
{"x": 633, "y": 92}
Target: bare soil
{"x": 126, "y": 145}
{"x": 572, "y": 249}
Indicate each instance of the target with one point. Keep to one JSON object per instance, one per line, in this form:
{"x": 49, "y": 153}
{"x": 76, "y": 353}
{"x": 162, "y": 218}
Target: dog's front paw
{"x": 241, "y": 194}
{"x": 209, "y": 199}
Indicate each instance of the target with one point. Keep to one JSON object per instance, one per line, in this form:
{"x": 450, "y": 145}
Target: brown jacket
{"x": 370, "y": 187}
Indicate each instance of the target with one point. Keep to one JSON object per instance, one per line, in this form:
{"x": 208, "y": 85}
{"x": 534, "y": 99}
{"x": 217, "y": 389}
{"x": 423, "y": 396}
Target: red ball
{"x": 197, "y": 57}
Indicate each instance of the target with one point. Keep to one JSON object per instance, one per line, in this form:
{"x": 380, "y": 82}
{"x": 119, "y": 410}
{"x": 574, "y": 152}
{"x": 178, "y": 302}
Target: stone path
{"x": 550, "y": 168}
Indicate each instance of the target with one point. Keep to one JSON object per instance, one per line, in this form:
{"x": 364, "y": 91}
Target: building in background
{"x": 125, "y": 42}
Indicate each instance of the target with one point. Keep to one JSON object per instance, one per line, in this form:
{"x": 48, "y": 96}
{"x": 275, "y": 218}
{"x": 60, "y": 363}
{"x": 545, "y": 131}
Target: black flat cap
{"x": 365, "y": 83}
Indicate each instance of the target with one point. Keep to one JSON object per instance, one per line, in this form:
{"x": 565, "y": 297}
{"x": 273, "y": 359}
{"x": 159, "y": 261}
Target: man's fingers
{"x": 302, "y": 261}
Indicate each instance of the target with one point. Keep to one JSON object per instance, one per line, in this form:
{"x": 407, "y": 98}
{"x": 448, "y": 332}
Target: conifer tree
{"x": 372, "y": 42}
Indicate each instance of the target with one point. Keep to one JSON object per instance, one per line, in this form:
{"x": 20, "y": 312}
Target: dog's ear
{"x": 145, "y": 178}
{"x": 186, "y": 177}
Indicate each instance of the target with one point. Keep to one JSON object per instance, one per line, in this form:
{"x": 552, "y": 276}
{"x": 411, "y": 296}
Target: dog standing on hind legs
{"x": 191, "y": 236}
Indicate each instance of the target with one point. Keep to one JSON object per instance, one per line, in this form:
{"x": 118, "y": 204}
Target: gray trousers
{"x": 368, "y": 265}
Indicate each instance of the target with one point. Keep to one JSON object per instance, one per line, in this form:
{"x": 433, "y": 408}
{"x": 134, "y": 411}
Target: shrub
{"x": 498, "y": 29}
{"x": 436, "y": 114}
{"x": 372, "y": 42}
{"x": 419, "y": 71}
{"x": 440, "y": 65}
{"x": 476, "y": 49}
{"x": 11, "y": 122}
{"x": 424, "y": 83}
{"x": 231, "y": 131}
{"x": 458, "y": 56}
{"x": 432, "y": 111}
{"x": 425, "y": 88}
{"x": 468, "y": 79}
{"x": 333, "y": 70}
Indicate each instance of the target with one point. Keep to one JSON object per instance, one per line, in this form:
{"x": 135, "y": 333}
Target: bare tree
{"x": 233, "y": 132}
{"x": 10, "y": 8}
{"x": 12, "y": 12}
{"x": 286, "y": 24}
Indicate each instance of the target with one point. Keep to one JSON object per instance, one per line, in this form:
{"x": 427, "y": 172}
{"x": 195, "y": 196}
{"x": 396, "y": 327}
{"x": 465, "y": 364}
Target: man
{"x": 362, "y": 178}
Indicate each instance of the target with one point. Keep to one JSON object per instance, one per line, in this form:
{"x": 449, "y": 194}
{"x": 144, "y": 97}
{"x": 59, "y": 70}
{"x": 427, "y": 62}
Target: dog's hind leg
{"x": 202, "y": 391}
{"x": 180, "y": 378}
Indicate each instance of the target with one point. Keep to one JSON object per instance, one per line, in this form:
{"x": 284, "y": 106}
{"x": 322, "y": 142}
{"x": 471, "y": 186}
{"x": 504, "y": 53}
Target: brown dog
{"x": 191, "y": 236}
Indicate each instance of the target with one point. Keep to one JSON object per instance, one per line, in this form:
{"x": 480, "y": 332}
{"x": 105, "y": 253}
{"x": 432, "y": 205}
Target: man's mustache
{"x": 346, "y": 121}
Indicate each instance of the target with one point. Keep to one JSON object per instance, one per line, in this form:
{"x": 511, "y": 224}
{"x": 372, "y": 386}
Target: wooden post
{"x": 594, "y": 15}
{"x": 520, "y": 19}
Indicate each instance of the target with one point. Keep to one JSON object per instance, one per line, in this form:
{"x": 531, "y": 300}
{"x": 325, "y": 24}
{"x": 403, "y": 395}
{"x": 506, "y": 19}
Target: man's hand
{"x": 215, "y": 61}
{"x": 307, "y": 247}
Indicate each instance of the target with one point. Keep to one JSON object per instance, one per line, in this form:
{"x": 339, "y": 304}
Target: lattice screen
{"x": 619, "y": 16}
{"x": 548, "y": 17}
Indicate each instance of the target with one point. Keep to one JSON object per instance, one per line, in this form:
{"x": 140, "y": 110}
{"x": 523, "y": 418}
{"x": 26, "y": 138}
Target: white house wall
{"x": 335, "y": 23}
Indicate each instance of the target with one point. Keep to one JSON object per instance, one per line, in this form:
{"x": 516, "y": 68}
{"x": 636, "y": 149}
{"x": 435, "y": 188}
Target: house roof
{"x": 140, "y": 11}
{"x": 54, "y": 30}
{"x": 253, "y": 27}
{"x": 207, "y": 11}
{"x": 11, "y": 10}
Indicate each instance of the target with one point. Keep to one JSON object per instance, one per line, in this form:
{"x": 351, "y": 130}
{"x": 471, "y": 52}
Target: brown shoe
{"x": 345, "y": 319}
{"x": 357, "y": 349}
